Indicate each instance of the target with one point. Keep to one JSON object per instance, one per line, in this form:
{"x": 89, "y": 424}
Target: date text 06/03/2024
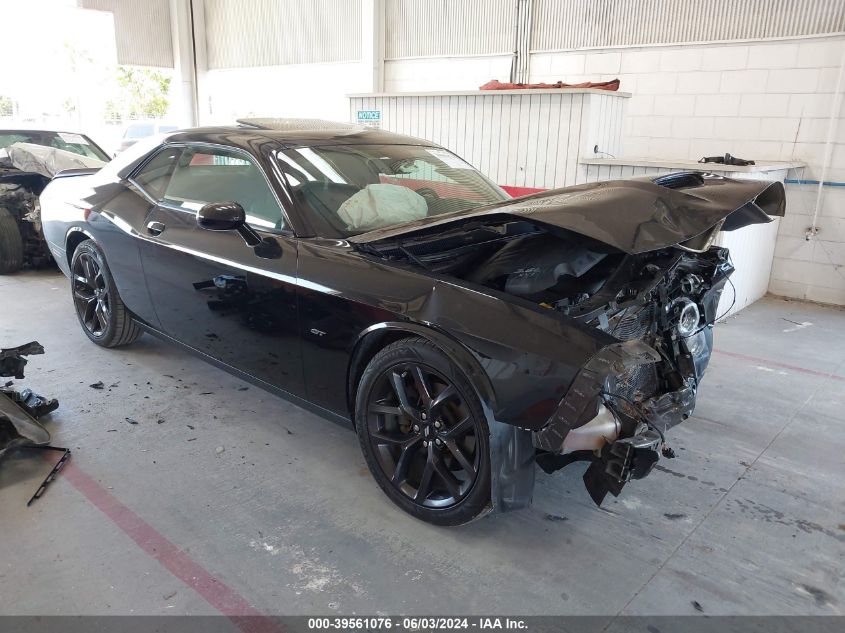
{"x": 418, "y": 623}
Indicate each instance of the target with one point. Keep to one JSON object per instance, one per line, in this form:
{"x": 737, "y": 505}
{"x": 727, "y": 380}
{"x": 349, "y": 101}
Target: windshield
{"x": 352, "y": 189}
{"x": 74, "y": 143}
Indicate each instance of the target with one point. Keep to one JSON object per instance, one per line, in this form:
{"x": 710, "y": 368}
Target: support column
{"x": 372, "y": 43}
{"x": 521, "y": 66}
{"x": 184, "y": 87}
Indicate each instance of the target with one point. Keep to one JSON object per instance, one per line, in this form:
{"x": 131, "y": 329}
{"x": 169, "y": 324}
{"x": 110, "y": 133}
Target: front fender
{"x": 511, "y": 448}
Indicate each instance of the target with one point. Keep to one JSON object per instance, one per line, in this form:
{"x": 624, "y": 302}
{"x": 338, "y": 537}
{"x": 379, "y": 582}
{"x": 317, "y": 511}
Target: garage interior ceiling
{"x": 449, "y": 27}
{"x": 571, "y": 24}
{"x": 142, "y": 31}
{"x": 280, "y": 32}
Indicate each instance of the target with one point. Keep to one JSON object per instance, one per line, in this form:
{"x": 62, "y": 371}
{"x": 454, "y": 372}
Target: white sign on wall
{"x": 369, "y": 118}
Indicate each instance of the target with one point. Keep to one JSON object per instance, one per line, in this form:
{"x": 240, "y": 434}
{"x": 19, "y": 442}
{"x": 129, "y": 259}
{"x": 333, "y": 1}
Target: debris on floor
{"x": 20, "y": 410}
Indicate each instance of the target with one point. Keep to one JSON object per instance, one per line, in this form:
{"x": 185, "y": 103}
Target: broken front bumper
{"x": 623, "y": 438}
{"x": 19, "y": 409}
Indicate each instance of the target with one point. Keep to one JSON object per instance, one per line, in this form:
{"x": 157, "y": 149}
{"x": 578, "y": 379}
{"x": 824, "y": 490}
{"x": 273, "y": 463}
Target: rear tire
{"x": 101, "y": 313}
{"x": 11, "y": 243}
{"x": 424, "y": 434}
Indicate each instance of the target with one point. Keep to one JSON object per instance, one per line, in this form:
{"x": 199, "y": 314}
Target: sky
{"x": 59, "y": 65}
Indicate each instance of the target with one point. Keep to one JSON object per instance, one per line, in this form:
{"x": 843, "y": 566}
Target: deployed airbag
{"x": 381, "y": 205}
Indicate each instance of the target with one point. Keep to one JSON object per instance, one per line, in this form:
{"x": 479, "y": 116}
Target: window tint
{"x": 351, "y": 189}
{"x": 67, "y": 141}
{"x": 8, "y": 139}
{"x": 155, "y": 175}
{"x": 205, "y": 175}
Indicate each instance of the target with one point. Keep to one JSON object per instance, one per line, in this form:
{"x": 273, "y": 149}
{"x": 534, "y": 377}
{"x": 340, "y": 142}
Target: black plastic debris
{"x": 132, "y": 421}
{"x": 727, "y": 159}
{"x": 97, "y": 385}
{"x": 20, "y": 410}
{"x": 12, "y": 359}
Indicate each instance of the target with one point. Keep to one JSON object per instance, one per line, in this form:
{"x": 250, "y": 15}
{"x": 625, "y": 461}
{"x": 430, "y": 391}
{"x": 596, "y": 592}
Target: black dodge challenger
{"x": 380, "y": 280}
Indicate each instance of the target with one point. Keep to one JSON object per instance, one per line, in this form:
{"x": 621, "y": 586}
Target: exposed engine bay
{"x": 25, "y": 170}
{"x": 659, "y": 305}
{"x": 19, "y": 197}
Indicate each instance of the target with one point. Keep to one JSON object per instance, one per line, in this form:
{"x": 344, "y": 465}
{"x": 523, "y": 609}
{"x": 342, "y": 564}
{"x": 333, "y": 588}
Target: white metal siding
{"x": 572, "y": 24}
{"x": 251, "y": 33}
{"x": 142, "y": 30}
{"x": 529, "y": 139}
{"x": 416, "y": 28}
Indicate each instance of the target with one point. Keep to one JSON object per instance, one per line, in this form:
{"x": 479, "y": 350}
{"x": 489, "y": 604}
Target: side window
{"x": 155, "y": 175}
{"x": 204, "y": 175}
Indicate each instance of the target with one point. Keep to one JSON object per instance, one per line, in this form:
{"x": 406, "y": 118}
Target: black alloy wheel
{"x": 104, "y": 318}
{"x": 91, "y": 294}
{"x": 424, "y": 434}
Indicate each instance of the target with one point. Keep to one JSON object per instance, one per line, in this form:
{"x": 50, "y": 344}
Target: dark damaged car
{"x": 381, "y": 281}
{"x": 28, "y": 160}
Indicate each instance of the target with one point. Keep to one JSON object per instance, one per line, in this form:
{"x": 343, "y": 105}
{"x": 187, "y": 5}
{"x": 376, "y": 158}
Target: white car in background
{"x": 134, "y": 132}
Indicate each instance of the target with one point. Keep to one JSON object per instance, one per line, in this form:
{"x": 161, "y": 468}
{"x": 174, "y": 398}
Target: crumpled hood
{"x": 47, "y": 161}
{"x": 634, "y": 215}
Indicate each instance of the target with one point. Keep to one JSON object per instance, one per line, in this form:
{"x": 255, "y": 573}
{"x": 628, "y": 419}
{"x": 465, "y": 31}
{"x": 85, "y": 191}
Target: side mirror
{"x": 227, "y": 216}
{"x": 221, "y": 216}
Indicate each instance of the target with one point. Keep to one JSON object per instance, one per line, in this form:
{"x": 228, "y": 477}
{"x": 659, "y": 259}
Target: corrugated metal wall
{"x": 277, "y": 32}
{"x": 569, "y": 24}
{"x": 528, "y": 139}
{"x": 142, "y": 30}
{"x": 449, "y": 27}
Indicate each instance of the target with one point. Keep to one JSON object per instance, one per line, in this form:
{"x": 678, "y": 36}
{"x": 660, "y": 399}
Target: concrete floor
{"x": 150, "y": 519}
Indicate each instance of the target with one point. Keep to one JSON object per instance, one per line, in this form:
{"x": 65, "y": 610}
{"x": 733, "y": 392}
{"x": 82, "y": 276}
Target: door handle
{"x": 155, "y": 228}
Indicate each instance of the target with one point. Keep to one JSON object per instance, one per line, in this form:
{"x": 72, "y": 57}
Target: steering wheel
{"x": 428, "y": 193}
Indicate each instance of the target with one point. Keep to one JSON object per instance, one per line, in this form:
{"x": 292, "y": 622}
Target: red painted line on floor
{"x": 223, "y": 598}
{"x": 774, "y": 363}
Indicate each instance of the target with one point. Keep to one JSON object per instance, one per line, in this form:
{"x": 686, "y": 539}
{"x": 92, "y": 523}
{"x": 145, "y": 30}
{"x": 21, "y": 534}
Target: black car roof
{"x": 296, "y": 136}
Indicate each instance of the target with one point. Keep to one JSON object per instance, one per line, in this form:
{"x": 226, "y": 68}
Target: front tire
{"x": 423, "y": 433}
{"x": 101, "y": 313}
{"x": 11, "y": 243}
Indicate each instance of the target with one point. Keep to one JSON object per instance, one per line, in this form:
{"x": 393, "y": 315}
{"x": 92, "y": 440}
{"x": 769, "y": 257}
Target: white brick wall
{"x": 766, "y": 101}
{"x": 811, "y": 269}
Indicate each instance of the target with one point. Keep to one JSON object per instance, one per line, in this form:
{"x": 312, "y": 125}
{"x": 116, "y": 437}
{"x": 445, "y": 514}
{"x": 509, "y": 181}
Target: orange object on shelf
{"x": 495, "y": 84}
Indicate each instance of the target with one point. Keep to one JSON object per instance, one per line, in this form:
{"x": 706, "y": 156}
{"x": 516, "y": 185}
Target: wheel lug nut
{"x": 425, "y": 443}
{"x": 423, "y": 416}
{"x": 416, "y": 428}
{"x": 437, "y": 424}
{"x": 438, "y": 441}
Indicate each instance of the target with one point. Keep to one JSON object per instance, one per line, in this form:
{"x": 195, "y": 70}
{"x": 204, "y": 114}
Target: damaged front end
{"x": 632, "y": 263}
{"x": 661, "y": 306}
{"x": 25, "y": 170}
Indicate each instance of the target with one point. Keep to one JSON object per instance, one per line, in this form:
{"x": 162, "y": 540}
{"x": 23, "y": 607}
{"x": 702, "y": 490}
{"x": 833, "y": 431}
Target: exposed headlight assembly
{"x": 688, "y": 316}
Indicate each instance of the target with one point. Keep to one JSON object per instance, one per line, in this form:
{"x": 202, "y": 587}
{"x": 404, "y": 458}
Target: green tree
{"x": 7, "y": 107}
{"x": 145, "y": 92}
